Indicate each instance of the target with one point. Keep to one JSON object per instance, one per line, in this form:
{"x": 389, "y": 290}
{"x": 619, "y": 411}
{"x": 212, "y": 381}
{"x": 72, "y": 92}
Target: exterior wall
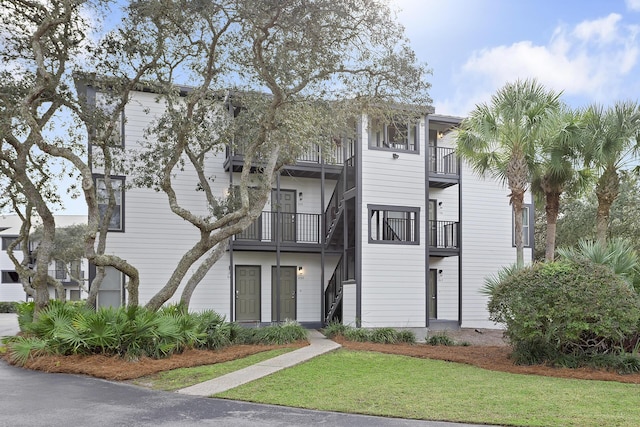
{"x": 486, "y": 242}
{"x": 308, "y": 284}
{"x": 393, "y": 276}
{"x": 154, "y": 238}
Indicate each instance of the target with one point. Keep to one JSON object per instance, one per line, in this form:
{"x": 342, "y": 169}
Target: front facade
{"x": 389, "y": 229}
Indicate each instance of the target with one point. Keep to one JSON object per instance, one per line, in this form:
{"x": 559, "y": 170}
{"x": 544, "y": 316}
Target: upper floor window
{"x": 61, "y": 270}
{"x": 527, "y": 230}
{"x": 395, "y": 136}
{"x": 7, "y": 240}
{"x": 109, "y": 118}
{"x": 9, "y": 276}
{"x": 394, "y": 224}
{"x": 116, "y": 221}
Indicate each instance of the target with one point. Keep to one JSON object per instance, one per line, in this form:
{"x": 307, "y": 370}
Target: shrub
{"x": 357, "y": 334}
{"x": 440, "y": 338}
{"x": 25, "y": 314}
{"x": 334, "y": 329}
{"x": 8, "y": 306}
{"x": 384, "y": 336}
{"x": 285, "y": 333}
{"x": 562, "y": 308}
{"x": 406, "y": 337}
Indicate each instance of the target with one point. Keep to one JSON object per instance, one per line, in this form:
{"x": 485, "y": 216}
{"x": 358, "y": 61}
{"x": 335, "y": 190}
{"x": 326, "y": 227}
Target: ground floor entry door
{"x": 247, "y": 293}
{"x": 432, "y": 294}
{"x": 283, "y": 293}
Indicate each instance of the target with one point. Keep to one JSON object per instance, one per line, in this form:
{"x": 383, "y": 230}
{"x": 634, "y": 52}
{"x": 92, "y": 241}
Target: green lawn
{"x": 405, "y": 387}
{"x": 185, "y": 377}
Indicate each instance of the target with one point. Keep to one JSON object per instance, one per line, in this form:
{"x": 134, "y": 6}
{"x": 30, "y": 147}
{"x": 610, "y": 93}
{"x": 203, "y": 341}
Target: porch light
{"x": 300, "y": 196}
{"x": 396, "y": 156}
{"x": 300, "y": 271}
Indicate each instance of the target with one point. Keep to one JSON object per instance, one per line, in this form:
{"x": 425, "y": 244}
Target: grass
{"x": 405, "y": 387}
{"x": 185, "y": 377}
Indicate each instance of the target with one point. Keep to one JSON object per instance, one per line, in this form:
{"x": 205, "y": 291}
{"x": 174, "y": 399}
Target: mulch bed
{"x": 492, "y": 357}
{"x": 117, "y": 368}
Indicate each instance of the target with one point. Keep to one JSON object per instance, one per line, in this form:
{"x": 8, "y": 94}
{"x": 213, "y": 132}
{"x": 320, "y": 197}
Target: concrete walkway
{"x": 319, "y": 344}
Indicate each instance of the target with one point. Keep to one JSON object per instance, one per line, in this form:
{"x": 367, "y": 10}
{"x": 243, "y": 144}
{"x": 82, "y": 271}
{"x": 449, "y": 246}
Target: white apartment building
{"x": 393, "y": 231}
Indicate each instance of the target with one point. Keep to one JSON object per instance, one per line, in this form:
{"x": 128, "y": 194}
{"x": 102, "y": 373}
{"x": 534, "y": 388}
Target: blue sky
{"x": 589, "y": 49}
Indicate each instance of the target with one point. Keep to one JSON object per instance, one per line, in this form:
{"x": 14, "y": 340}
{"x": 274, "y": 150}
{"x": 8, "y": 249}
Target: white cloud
{"x": 633, "y": 5}
{"x": 590, "y": 60}
{"x": 603, "y": 30}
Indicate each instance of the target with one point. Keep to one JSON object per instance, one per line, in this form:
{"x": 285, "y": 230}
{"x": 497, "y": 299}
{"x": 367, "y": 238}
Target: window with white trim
{"x": 394, "y": 224}
{"x": 116, "y": 221}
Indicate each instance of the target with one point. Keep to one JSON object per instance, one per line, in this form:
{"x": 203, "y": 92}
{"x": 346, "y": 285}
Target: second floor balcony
{"x": 300, "y": 230}
{"x": 443, "y": 167}
{"x": 444, "y": 238}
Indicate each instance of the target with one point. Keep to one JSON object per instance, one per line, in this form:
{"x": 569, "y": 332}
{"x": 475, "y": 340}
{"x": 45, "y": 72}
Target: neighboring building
{"x": 394, "y": 231}
{"x": 10, "y": 286}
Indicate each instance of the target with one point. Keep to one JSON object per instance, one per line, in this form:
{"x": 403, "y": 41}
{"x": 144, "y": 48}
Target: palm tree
{"x": 612, "y": 142}
{"x": 560, "y": 146}
{"x": 501, "y": 139}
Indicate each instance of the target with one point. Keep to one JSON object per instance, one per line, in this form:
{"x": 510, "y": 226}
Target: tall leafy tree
{"x": 560, "y": 145}
{"x": 611, "y": 145}
{"x": 501, "y": 138}
{"x": 290, "y": 73}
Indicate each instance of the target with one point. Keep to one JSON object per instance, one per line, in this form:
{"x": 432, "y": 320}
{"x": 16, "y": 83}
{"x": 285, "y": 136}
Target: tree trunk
{"x": 517, "y": 176}
{"x": 552, "y": 209}
{"x": 517, "y": 202}
{"x": 607, "y": 190}
{"x": 202, "y": 270}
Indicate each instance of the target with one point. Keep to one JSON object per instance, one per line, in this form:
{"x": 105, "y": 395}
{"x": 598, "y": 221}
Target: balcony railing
{"x": 313, "y": 154}
{"x": 443, "y": 160}
{"x": 283, "y": 227}
{"x": 444, "y": 234}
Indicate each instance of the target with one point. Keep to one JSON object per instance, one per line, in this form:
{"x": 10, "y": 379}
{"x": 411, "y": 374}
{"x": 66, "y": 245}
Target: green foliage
{"x": 134, "y": 332}
{"x": 357, "y": 334}
{"x": 285, "y": 333}
{"x": 23, "y": 348}
{"x": 334, "y": 329}
{"x": 578, "y": 217}
{"x": 384, "y": 336}
{"x": 380, "y": 335}
{"x": 618, "y": 254}
{"x": 564, "y": 308}
{"x": 406, "y": 336}
{"x": 25, "y": 314}
{"x": 492, "y": 281}
{"x": 8, "y": 307}
{"x": 441, "y": 338}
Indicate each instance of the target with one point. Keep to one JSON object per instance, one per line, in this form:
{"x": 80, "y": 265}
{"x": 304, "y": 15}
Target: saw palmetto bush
{"x": 134, "y": 332}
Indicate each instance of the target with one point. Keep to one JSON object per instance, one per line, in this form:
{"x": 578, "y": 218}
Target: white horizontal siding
{"x": 487, "y": 241}
{"x": 393, "y": 276}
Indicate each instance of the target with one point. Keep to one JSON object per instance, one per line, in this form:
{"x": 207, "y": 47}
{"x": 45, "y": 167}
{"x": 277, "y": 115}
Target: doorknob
{"x": 293, "y": 295}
